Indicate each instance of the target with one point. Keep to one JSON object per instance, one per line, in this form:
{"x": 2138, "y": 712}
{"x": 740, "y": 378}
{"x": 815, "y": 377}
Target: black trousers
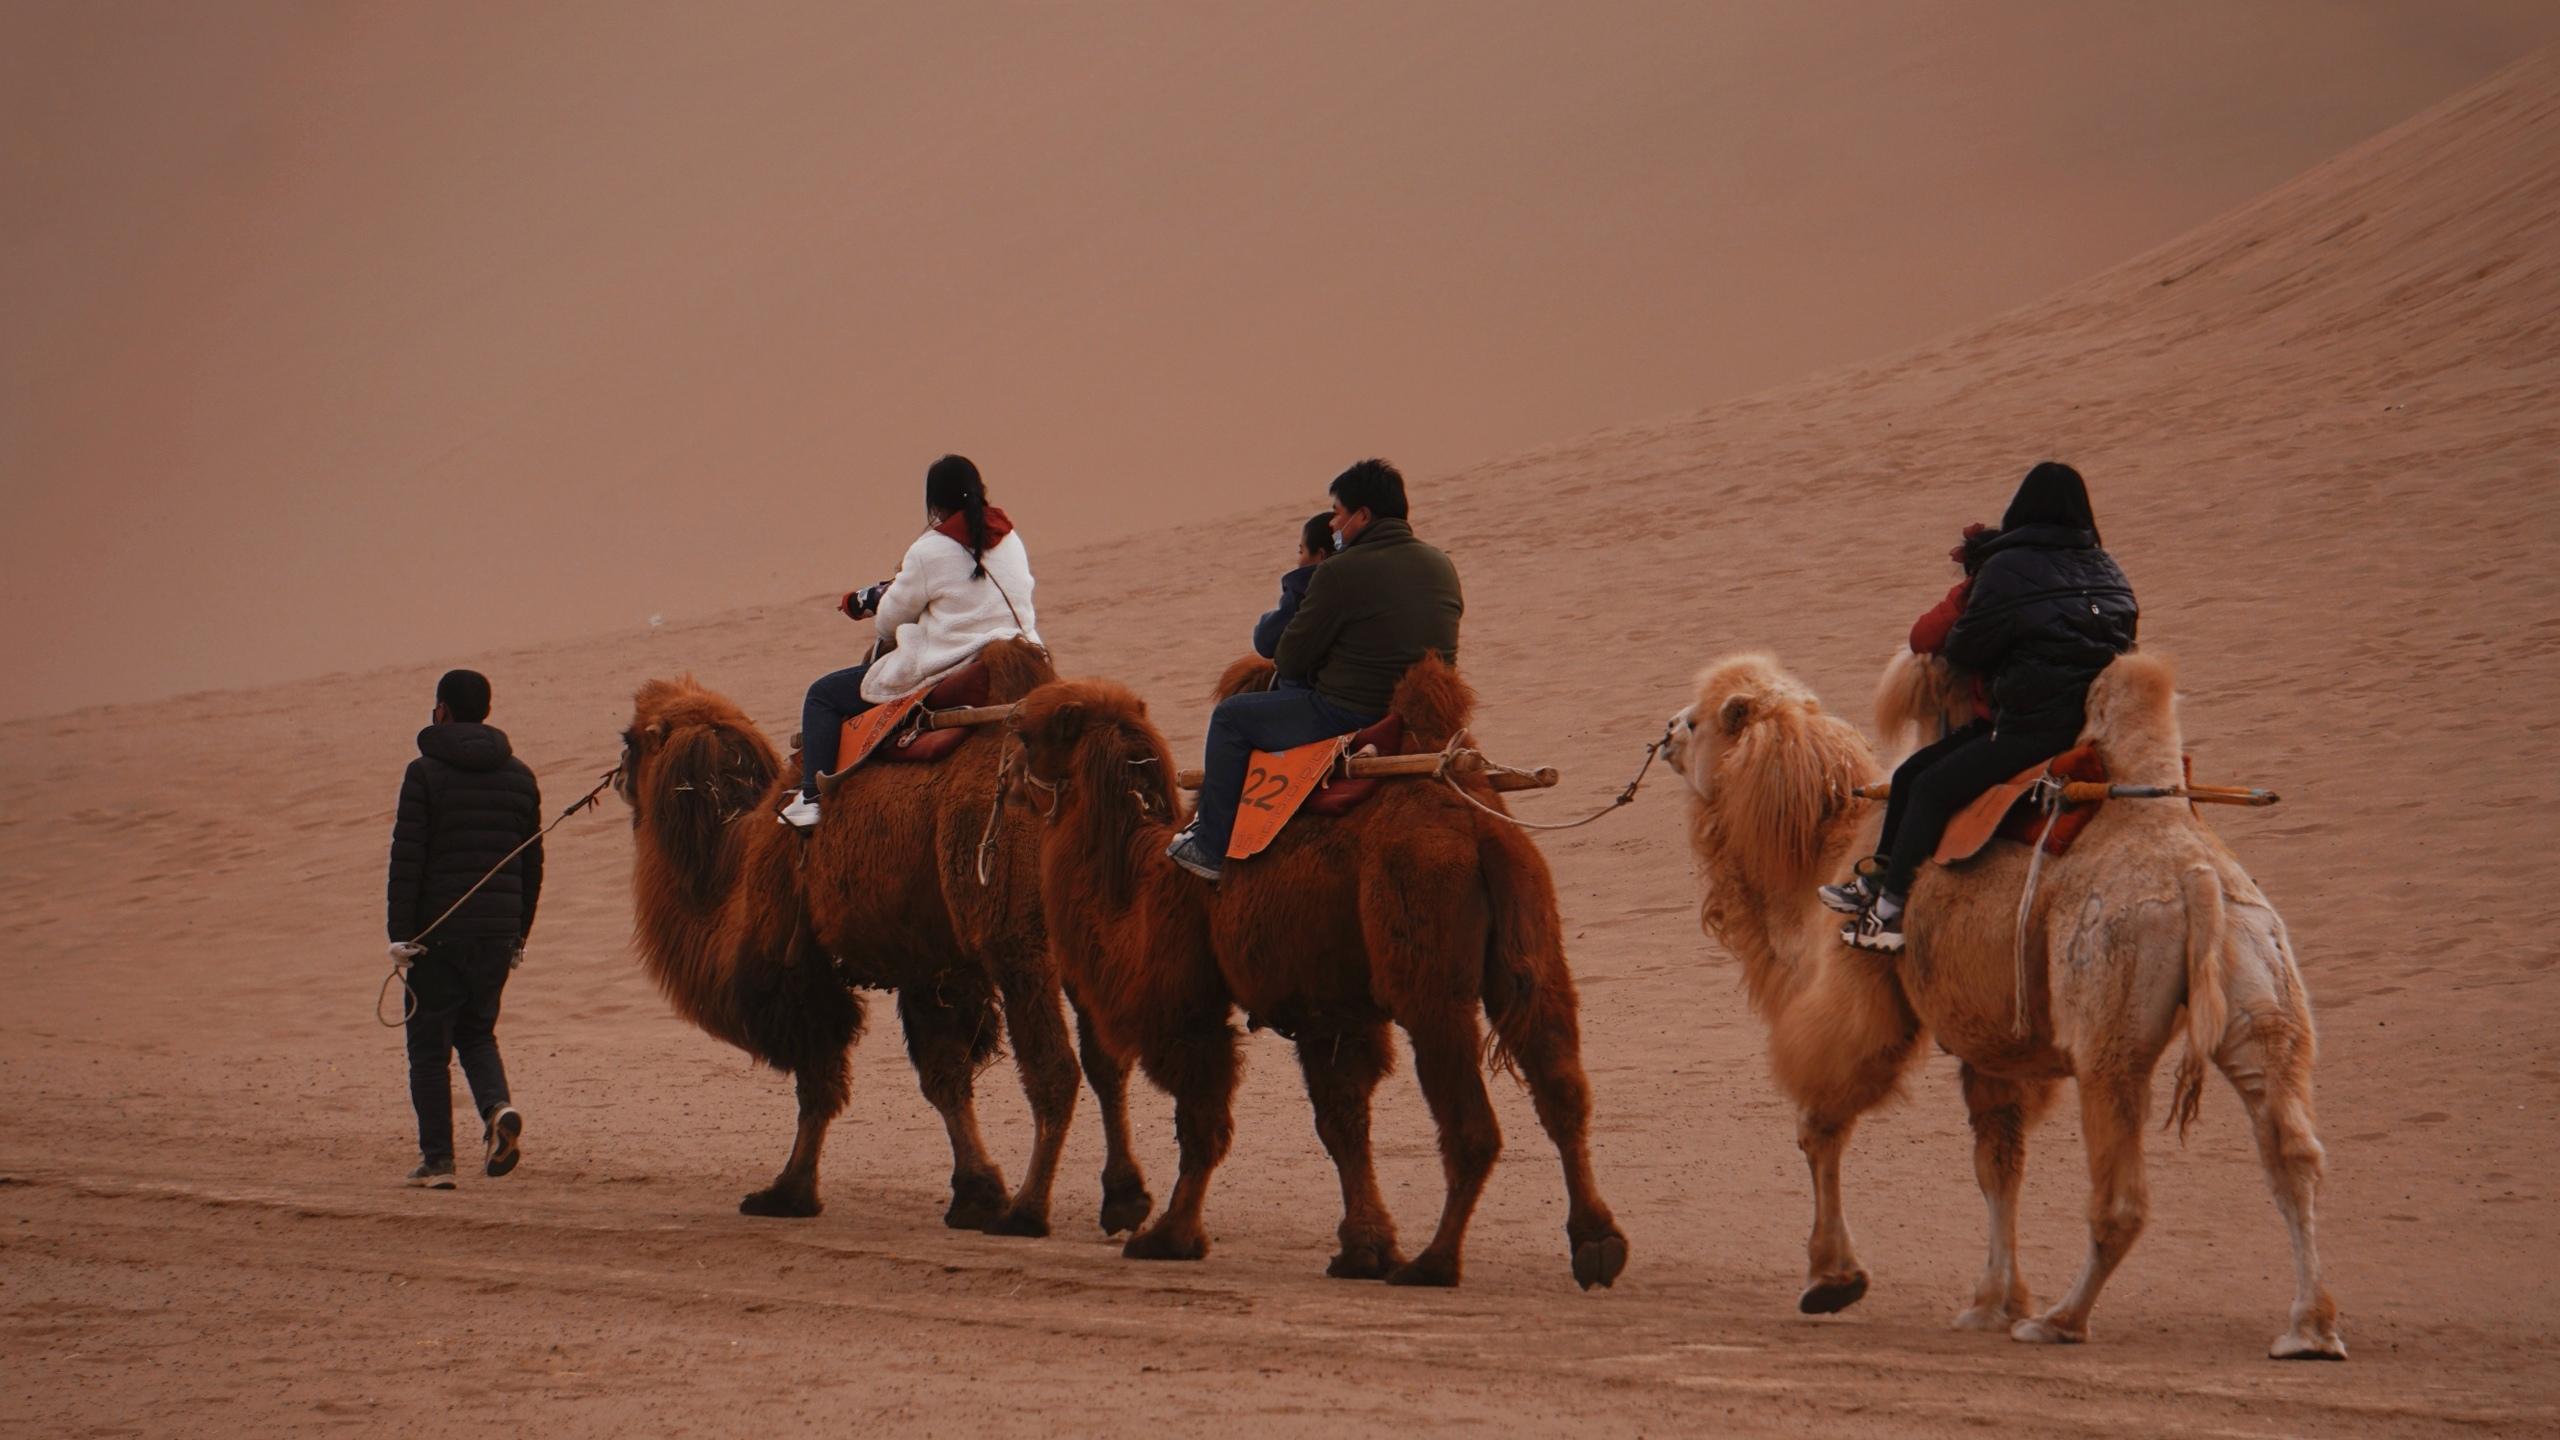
{"x": 458, "y": 983}
{"x": 1938, "y": 781}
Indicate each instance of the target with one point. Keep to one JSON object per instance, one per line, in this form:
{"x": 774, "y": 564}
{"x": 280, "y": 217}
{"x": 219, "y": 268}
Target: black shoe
{"x": 1873, "y": 930}
{"x": 432, "y": 1175}
{"x": 1187, "y": 852}
{"x": 506, "y": 1131}
{"x": 1853, "y": 897}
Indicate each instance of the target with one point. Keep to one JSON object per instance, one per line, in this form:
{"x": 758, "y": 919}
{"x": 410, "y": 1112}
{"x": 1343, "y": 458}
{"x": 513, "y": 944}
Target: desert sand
{"x": 574, "y": 314}
{"x": 2320, "y": 431}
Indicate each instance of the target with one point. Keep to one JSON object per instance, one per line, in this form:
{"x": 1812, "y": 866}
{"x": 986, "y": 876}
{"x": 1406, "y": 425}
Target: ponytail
{"x": 954, "y": 487}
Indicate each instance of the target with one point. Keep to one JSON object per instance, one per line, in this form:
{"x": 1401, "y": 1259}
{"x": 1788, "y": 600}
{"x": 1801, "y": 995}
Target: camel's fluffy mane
{"x": 1770, "y": 776}
{"x": 1092, "y": 740}
{"x": 1015, "y": 668}
{"x": 692, "y": 760}
{"x": 1434, "y": 700}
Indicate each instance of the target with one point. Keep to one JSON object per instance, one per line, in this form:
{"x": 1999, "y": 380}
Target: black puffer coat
{"x": 2048, "y": 611}
{"x": 464, "y": 804}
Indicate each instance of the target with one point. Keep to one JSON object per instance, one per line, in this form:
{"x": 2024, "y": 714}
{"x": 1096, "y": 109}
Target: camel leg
{"x": 1048, "y": 1064}
{"x": 1200, "y": 1070}
{"x": 1550, "y": 1059}
{"x": 823, "y": 1086}
{"x": 1446, "y": 1044}
{"x": 1125, "y": 1201}
{"x": 2269, "y": 1063}
{"x": 2003, "y": 1112}
{"x": 2112, "y": 1108}
{"x": 1343, "y": 1070}
{"x": 947, "y": 1036}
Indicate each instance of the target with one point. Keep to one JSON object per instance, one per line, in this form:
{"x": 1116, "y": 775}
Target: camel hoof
{"x": 1021, "y": 1223}
{"x": 782, "y": 1203}
{"x": 2295, "y": 1345}
{"x": 1426, "y": 1269}
{"x": 976, "y": 1203}
{"x": 1831, "y": 1296}
{"x": 1599, "y": 1262}
{"x": 1989, "y": 1319}
{"x": 1160, "y": 1243}
{"x": 1125, "y": 1207}
{"x": 1369, "y": 1260}
{"x": 2044, "y": 1332}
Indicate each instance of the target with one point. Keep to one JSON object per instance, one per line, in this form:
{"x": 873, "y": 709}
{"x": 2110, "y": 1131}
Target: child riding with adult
{"x": 1371, "y": 612}
{"x": 964, "y": 584}
{"x": 2044, "y": 610}
{"x": 1315, "y": 542}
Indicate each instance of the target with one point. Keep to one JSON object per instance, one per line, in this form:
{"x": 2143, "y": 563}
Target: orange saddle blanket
{"x": 2008, "y": 810}
{"x": 1277, "y": 788}
{"x": 889, "y": 733}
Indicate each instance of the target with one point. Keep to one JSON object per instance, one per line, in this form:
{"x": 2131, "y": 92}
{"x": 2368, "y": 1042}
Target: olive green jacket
{"x": 1371, "y": 612}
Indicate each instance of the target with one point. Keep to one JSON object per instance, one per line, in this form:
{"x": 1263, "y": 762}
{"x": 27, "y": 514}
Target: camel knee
{"x": 2115, "y": 1221}
{"x": 1470, "y": 1146}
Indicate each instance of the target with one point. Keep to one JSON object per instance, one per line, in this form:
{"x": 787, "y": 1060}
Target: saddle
{"x": 1277, "y": 788}
{"x": 892, "y": 733}
{"x": 2008, "y": 810}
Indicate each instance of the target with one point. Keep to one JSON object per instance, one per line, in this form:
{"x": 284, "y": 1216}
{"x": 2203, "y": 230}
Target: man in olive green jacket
{"x": 1377, "y": 607}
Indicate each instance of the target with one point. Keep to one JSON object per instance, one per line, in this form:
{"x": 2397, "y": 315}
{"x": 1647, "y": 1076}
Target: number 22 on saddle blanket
{"x": 1276, "y": 787}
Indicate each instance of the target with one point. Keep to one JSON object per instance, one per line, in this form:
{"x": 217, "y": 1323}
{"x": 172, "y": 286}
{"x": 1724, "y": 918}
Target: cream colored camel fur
{"x": 2148, "y": 919}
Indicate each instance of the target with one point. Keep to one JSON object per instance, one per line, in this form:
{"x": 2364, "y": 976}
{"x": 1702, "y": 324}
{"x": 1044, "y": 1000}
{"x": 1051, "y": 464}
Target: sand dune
{"x": 348, "y": 335}
{"x": 2320, "y": 431}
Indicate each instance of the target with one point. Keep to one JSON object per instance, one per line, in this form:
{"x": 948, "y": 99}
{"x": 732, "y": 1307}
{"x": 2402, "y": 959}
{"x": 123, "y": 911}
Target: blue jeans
{"x": 1271, "y": 720}
{"x": 834, "y": 699}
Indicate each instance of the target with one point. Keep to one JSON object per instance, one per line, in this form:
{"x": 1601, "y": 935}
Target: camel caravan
{"x": 2034, "y": 890}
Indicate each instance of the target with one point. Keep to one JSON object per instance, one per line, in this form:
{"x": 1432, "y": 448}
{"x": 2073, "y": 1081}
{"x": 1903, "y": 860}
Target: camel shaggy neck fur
{"x": 2148, "y": 928}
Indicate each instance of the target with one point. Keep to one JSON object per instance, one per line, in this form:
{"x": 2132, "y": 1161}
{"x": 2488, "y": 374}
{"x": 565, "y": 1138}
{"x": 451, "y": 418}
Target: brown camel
{"x": 2148, "y": 917}
{"x": 760, "y": 935}
{"x": 1413, "y": 909}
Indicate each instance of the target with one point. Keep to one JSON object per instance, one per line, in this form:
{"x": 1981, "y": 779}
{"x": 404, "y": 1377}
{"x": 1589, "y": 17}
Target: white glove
{"x": 405, "y": 953}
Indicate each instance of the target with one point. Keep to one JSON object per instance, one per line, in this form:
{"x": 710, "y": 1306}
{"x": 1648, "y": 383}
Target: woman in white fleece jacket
{"x": 964, "y": 583}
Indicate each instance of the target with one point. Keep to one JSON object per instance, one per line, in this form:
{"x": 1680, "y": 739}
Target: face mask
{"x": 1338, "y": 542}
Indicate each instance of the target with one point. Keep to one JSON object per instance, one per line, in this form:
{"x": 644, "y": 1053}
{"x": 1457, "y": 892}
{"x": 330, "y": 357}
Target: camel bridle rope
{"x": 1456, "y": 747}
{"x": 399, "y": 973}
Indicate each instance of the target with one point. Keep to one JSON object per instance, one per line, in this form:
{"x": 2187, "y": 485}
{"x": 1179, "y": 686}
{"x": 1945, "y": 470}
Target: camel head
{"x": 1089, "y": 741}
{"x": 2133, "y": 717}
{"x": 691, "y": 762}
{"x": 1768, "y": 770}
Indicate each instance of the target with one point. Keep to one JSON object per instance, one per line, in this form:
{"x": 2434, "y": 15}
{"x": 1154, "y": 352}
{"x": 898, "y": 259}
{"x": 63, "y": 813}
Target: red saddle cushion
{"x": 2025, "y": 822}
{"x": 1342, "y": 795}
{"x": 961, "y": 689}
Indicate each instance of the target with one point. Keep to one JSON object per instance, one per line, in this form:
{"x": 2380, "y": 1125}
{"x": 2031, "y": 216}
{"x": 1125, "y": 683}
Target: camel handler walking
{"x": 465, "y": 802}
{"x": 1371, "y": 613}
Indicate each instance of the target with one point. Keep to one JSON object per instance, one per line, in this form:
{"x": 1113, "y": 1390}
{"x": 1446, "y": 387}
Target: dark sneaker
{"x": 1872, "y": 930}
{"x": 1187, "y": 852}
{"x": 432, "y": 1175}
{"x": 506, "y": 1132}
{"x": 1852, "y": 898}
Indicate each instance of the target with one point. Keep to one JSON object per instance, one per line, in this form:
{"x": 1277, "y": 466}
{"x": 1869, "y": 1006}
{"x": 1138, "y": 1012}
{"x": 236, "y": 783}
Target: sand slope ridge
{"x": 2320, "y": 435}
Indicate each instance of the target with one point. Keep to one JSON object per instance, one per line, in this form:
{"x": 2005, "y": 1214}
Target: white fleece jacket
{"x": 940, "y": 617}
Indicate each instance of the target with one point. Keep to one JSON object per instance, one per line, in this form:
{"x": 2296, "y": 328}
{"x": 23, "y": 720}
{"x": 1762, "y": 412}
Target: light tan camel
{"x": 2149, "y": 916}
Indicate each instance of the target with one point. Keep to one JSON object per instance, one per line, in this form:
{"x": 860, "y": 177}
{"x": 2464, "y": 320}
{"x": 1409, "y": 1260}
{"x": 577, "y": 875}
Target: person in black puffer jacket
{"x": 2048, "y": 611}
{"x": 465, "y": 803}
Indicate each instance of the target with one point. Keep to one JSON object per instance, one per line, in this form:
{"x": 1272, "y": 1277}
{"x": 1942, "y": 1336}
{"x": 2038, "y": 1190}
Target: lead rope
{"x": 408, "y": 996}
{"x": 1450, "y": 752}
{"x": 2048, "y": 793}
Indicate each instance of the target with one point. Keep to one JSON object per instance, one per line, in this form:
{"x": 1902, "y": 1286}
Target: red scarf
{"x": 956, "y": 526}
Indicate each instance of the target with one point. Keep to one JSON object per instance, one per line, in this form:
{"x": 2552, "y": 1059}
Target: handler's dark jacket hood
{"x": 464, "y": 803}
{"x": 2049, "y": 609}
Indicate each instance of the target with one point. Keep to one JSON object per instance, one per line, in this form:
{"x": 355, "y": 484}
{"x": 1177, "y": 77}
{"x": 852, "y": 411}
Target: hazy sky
{"x": 334, "y": 335}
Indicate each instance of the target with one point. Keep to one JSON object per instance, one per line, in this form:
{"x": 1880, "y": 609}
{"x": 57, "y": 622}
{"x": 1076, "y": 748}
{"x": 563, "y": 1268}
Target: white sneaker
{"x": 801, "y": 813}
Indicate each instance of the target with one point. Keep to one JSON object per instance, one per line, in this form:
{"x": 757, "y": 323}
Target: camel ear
{"x": 657, "y": 729}
{"x": 1064, "y": 724}
{"x": 1734, "y": 714}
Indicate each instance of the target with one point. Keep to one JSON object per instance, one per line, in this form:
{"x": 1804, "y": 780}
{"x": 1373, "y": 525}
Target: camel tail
{"x": 1528, "y": 989}
{"x": 2208, "y": 1009}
